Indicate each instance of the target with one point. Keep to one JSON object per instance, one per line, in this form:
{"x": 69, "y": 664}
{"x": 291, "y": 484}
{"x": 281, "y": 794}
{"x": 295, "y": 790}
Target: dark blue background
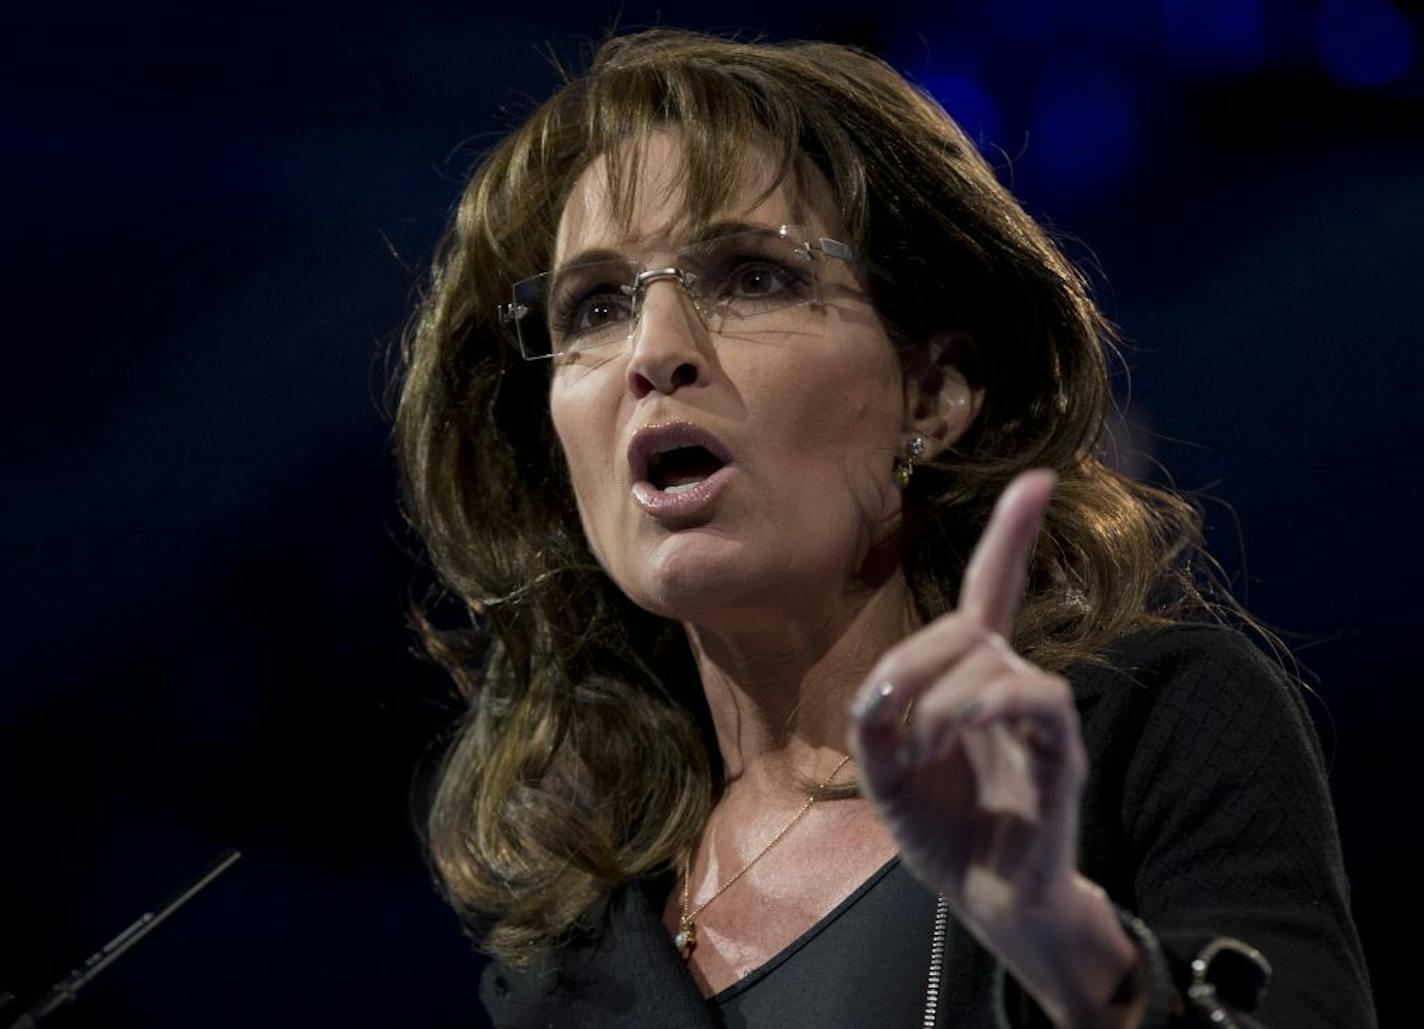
{"x": 214, "y": 221}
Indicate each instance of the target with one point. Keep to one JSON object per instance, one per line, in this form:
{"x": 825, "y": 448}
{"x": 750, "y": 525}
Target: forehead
{"x": 659, "y": 213}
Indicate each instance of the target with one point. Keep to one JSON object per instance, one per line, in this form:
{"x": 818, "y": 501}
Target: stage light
{"x": 968, "y": 104}
{"x": 1215, "y": 35}
{"x": 1363, "y": 43}
{"x": 1083, "y": 132}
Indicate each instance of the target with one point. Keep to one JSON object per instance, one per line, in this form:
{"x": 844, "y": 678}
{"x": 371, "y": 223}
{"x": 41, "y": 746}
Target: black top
{"x": 1205, "y": 814}
{"x": 809, "y": 976}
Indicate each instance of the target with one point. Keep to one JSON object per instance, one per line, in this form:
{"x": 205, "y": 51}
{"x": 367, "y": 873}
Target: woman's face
{"x": 799, "y": 427}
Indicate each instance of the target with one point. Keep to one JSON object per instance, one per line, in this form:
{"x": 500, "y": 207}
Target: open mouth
{"x": 681, "y": 468}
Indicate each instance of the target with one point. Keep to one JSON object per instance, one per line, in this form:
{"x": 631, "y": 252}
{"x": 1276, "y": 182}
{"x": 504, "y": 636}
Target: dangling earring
{"x": 905, "y": 465}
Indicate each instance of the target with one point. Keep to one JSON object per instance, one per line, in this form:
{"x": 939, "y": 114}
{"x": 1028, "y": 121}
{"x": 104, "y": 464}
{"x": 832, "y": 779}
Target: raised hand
{"x": 973, "y": 760}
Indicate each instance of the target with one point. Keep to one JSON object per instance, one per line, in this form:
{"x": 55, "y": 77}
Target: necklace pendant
{"x": 685, "y": 940}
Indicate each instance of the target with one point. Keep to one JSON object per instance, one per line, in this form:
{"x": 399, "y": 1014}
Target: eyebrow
{"x": 714, "y": 230}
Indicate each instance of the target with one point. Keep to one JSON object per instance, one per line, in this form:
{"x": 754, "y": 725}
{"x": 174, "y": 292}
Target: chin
{"x": 702, "y": 576}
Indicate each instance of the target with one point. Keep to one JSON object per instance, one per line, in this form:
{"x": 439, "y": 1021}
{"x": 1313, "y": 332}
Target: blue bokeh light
{"x": 1363, "y": 43}
{"x": 1084, "y": 130}
{"x": 1215, "y": 35}
{"x": 968, "y": 104}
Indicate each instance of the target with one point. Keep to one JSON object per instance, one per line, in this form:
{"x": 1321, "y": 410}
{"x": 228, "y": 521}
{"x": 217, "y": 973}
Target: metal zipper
{"x": 941, "y": 922}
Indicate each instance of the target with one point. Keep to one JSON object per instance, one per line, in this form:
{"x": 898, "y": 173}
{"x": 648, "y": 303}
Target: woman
{"x": 820, "y": 672}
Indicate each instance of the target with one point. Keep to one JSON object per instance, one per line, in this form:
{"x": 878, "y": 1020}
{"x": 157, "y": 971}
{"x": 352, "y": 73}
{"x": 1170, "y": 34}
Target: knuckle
{"x": 1002, "y": 686}
{"x": 892, "y": 664}
{"x": 974, "y": 629}
{"x": 1054, "y": 685}
{"x": 992, "y": 659}
{"x": 1052, "y": 693}
{"x": 958, "y": 624}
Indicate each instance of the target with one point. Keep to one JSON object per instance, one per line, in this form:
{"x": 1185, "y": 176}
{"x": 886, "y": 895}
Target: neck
{"x": 778, "y": 692}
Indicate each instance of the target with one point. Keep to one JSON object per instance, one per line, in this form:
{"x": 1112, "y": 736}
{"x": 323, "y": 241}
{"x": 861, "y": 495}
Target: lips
{"x": 677, "y": 468}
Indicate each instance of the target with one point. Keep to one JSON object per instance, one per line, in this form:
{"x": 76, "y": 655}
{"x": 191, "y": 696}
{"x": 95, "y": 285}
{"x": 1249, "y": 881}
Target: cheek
{"x": 584, "y": 406}
{"x": 860, "y": 408}
{"x": 841, "y": 431}
{"x": 575, "y": 431}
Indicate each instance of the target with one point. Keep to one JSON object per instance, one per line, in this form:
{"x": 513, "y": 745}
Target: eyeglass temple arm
{"x": 835, "y": 248}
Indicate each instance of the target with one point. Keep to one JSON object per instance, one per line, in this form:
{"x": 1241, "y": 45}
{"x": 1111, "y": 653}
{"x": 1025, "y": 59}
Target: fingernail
{"x": 871, "y": 704}
{"x": 966, "y": 709}
{"x": 907, "y": 754}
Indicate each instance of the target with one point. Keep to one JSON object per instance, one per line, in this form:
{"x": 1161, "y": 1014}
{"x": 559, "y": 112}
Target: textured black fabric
{"x": 1205, "y": 813}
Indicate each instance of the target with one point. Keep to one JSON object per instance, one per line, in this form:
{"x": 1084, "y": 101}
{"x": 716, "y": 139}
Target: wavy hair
{"x": 585, "y": 756}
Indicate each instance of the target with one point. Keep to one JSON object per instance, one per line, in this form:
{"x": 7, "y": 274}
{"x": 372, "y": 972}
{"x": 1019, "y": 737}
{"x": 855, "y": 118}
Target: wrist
{"x": 1075, "y": 959}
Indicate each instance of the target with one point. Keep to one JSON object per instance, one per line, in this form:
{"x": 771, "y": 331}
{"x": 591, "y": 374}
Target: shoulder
{"x": 525, "y": 993}
{"x": 1198, "y": 669}
{"x": 1204, "y": 693}
{"x": 1158, "y": 655}
{"x": 619, "y": 966}
{"x": 509, "y": 993}
{"x": 1188, "y": 722}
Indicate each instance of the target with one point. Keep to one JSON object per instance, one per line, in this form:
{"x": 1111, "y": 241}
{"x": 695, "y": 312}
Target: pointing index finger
{"x": 995, "y": 578}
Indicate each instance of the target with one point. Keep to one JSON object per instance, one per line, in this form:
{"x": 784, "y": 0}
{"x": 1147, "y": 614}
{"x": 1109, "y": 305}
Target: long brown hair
{"x": 584, "y": 757}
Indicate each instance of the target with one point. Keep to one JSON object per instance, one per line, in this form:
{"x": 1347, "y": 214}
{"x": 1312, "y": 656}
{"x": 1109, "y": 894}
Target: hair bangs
{"x": 724, "y": 124}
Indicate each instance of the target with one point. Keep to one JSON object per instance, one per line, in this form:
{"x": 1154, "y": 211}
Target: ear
{"x": 943, "y": 389}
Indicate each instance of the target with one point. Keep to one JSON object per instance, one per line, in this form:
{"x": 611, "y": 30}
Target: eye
{"x": 594, "y": 312}
{"x": 754, "y": 280}
{"x": 590, "y": 312}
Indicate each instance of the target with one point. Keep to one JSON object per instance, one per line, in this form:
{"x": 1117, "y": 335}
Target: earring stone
{"x": 905, "y": 466}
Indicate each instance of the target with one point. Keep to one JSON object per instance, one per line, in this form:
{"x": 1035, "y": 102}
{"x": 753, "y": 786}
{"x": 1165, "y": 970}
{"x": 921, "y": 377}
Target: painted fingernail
{"x": 869, "y": 706}
{"x": 907, "y": 754}
{"x": 966, "y": 709}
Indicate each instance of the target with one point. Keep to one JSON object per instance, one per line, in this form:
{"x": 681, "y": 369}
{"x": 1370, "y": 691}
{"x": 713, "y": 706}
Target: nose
{"x": 668, "y": 348}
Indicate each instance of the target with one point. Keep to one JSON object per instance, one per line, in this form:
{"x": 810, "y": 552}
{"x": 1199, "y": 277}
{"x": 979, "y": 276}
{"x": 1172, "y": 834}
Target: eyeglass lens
{"x": 736, "y": 278}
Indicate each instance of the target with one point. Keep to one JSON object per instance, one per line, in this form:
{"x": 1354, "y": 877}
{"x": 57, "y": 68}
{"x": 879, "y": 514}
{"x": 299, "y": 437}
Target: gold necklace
{"x": 686, "y": 939}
